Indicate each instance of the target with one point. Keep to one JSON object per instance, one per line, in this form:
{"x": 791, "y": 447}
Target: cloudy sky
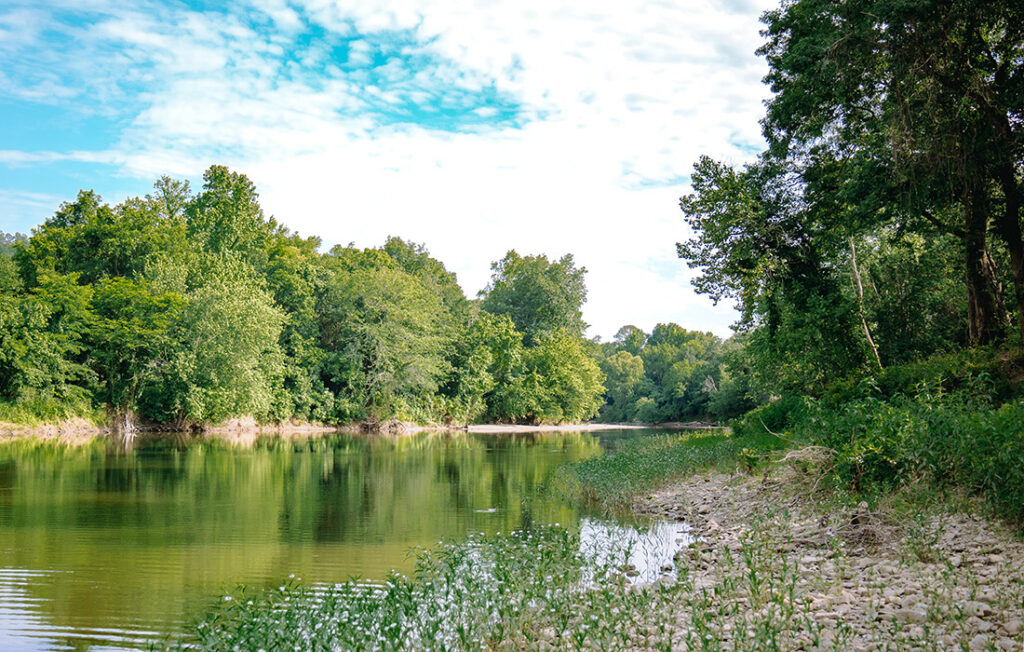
{"x": 472, "y": 127}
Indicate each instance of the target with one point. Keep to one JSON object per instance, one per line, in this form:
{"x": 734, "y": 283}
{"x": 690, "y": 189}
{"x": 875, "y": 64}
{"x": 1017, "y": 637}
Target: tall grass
{"x": 40, "y": 412}
{"x": 610, "y": 482}
{"x": 512, "y": 590}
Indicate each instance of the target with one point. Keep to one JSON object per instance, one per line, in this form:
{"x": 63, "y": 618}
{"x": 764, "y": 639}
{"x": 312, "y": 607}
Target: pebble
{"x": 1013, "y": 627}
{"x": 910, "y": 616}
{"x": 979, "y": 642}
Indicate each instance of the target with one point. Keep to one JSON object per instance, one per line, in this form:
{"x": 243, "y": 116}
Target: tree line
{"x": 187, "y": 308}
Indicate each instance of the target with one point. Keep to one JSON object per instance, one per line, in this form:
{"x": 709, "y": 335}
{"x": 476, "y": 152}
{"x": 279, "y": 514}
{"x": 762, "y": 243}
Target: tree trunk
{"x": 860, "y": 303}
{"x": 982, "y": 324}
{"x": 1009, "y": 228}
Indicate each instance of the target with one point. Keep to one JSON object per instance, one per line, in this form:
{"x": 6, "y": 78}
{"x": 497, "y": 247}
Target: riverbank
{"x": 75, "y": 429}
{"x": 780, "y": 560}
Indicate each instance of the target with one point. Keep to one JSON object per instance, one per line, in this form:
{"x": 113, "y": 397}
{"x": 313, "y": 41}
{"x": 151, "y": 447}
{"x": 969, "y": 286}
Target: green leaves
{"x": 539, "y": 296}
{"x": 194, "y": 309}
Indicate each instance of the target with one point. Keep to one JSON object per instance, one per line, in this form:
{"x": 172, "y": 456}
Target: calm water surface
{"x": 103, "y": 547}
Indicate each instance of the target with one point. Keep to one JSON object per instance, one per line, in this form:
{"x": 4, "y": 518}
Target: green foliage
{"x": 562, "y": 381}
{"x": 10, "y": 282}
{"x": 98, "y": 241}
{"x": 224, "y": 358}
{"x": 674, "y": 375}
{"x": 41, "y": 342}
{"x": 959, "y": 439}
{"x": 131, "y": 340}
{"x": 226, "y": 216}
{"x": 610, "y": 482}
{"x": 385, "y": 335}
{"x": 623, "y": 372}
{"x": 539, "y": 296}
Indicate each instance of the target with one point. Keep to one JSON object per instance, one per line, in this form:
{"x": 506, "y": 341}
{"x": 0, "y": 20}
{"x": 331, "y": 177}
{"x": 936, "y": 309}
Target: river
{"x": 105, "y": 546}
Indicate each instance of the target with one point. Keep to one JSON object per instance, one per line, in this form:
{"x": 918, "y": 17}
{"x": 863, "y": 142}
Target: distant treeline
{"x": 188, "y": 308}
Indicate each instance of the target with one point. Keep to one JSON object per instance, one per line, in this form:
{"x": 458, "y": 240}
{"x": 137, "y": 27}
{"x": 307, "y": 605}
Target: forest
{"x": 185, "y": 309}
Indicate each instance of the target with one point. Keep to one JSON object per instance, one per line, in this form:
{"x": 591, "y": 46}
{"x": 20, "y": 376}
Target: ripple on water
{"x": 25, "y": 624}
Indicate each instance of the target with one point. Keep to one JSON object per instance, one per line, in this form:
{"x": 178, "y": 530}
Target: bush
{"x": 956, "y": 439}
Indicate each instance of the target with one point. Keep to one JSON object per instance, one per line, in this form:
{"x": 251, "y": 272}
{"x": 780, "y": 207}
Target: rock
{"x": 1007, "y": 645}
{"x": 908, "y": 615}
{"x": 979, "y": 642}
{"x": 1013, "y": 627}
{"x": 978, "y": 625}
{"x": 976, "y": 608}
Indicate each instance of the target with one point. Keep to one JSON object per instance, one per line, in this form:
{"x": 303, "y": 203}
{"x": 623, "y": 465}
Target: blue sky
{"x": 544, "y": 126}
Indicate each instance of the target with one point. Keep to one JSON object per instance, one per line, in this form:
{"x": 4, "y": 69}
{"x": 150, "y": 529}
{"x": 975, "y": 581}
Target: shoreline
{"x": 915, "y": 572}
{"x": 78, "y": 429}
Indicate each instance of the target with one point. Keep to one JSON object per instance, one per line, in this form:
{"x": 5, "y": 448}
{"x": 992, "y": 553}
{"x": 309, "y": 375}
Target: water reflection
{"x": 647, "y": 552}
{"x": 129, "y": 542}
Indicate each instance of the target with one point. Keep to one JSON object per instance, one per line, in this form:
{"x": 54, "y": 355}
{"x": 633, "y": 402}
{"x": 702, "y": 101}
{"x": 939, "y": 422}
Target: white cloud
{"x": 620, "y": 100}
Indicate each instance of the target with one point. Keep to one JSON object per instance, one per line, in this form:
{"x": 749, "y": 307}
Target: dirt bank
{"x": 779, "y": 563}
{"x": 68, "y": 431}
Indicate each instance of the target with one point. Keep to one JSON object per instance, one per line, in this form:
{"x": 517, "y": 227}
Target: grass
{"x": 610, "y": 482}
{"x": 521, "y": 590}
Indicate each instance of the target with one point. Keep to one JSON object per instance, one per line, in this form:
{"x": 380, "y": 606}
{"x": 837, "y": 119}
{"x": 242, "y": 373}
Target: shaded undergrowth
{"x": 963, "y": 439}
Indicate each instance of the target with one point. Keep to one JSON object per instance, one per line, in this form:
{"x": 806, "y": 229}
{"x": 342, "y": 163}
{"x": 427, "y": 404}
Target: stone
{"x": 978, "y": 625}
{"x": 909, "y": 615}
{"x": 977, "y": 608}
{"x": 1013, "y": 627}
{"x": 1007, "y": 645}
{"x": 979, "y": 642}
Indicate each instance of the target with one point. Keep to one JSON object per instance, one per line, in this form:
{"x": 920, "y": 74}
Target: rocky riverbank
{"x": 779, "y": 562}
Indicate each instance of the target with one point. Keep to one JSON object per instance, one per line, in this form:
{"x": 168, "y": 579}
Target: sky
{"x": 471, "y": 127}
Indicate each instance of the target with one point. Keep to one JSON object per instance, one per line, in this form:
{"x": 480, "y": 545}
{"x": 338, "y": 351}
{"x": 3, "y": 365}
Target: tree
{"x": 539, "y": 296}
{"x": 42, "y": 353}
{"x": 631, "y": 339}
{"x": 623, "y": 372}
{"x": 96, "y": 241}
{"x": 10, "y": 281}
{"x": 562, "y": 381}
{"x": 226, "y": 216}
{"x": 224, "y": 358}
{"x": 908, "y": 114}
{"x": 131, "y": 342}
{"x": 756, "y": 240}
{"x": 385, "y": 334}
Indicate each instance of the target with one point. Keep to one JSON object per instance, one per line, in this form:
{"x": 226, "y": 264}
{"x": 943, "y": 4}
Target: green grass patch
{"x": 610, "y": 482}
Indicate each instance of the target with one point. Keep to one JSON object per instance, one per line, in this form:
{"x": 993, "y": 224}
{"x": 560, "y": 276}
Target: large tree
{"x": 907, "y": 113}
{"x": 539, "y": 295}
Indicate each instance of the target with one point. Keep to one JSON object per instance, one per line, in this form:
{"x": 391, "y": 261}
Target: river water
{"x": 103, "y": 546}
